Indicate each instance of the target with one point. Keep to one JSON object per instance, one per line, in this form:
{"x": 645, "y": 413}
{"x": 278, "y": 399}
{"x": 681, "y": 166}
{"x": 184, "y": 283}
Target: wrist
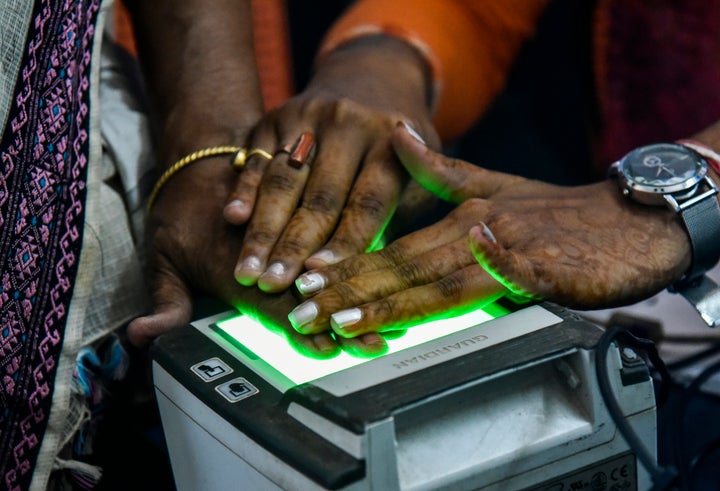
{"x": 188, "y": 129}
{"x": 396, "y": 76}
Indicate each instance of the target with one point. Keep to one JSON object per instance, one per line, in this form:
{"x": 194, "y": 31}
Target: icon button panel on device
{"x": 236, "y": 389}
{"x": 211, "y": 369}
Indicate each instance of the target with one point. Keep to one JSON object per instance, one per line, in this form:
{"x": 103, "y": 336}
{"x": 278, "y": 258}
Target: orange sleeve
{"x": 468, "y": 44}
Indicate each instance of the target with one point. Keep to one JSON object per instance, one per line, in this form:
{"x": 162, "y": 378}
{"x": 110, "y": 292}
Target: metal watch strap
{"x": 704, "y": 295}
{"x": 702, "y": 221}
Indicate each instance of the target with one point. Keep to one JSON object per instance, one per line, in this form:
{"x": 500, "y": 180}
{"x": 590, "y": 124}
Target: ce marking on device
{"x": 620, "y": 473}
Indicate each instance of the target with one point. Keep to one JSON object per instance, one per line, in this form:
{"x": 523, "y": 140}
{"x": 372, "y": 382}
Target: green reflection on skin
{"x": 514, "y": 293}
{"x": 302, "y": 344}
{"x": 379, "y": 241}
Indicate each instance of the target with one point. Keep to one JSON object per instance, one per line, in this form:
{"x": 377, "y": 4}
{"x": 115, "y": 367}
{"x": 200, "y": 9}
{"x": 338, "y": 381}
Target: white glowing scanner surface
{"x": 275, "y": 350}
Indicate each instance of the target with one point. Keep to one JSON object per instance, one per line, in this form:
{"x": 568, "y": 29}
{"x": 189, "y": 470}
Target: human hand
{"x": 204, "y": 97}
{"x": 191, "y": 250}
{"x": 346, "y": 182}
{"x": 583, "y": 247}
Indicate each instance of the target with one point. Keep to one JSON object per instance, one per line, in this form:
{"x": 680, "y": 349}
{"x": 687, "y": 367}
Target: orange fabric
{"x": 469, "y": 45}
{"x": 272, "y": 46}
{"x": 272, "y": 50}
{"x": 122, "y": 28}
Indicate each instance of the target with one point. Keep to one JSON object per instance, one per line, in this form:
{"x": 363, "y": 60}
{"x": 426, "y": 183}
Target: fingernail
{"x": 488, "y": 233}
{"x": 248, "y": 270}
{"x": 303, "y": 314}
{"x": 236, "y": 203}
{"x": 275, "y": 269}
{"x": 340, "y": 320}
{"x": 413, "y": 133}
{"x": 324, "y": 343}
{"x": 325, "y": 255}
{"x": 236, "y": 207}
{"x": 310, "y": 283}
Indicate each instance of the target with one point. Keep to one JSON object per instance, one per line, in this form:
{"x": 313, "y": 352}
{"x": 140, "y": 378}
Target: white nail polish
{"x": 413, "y": 133}
{"x": 345, "y": 318}
{"x": 326, "y": 256}
{"x": 252, "y": 263}
{"x": 302, "y": 314}
{"x": 488, "y": 233}
{"x": 276, "y": 269}
{"x": 310, "y": 283}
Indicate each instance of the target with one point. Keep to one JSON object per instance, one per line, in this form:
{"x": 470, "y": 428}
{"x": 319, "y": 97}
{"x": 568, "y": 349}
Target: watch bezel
{"x": 654, "y": 194}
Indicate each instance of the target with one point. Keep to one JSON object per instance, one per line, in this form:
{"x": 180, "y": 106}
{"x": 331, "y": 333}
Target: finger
{"x": 454, "y": 226}
{"x": 172, "y": 307}
{"x": 451, "y": 179}
{"x": 464, "y": 290}
{"x": 332, "y": 174}
{"x": 367, "y": 345}
{"x": 368, "y": 209}
{"x": 241, "y": 201}
{"x": 278, "y": 197}
{"x": 320, "y": 345}
{"x": 314, "y": 315}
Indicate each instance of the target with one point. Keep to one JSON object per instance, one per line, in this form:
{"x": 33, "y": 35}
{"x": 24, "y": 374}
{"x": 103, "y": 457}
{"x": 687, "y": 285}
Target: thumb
{"x": 508, "y": 269}
{"x": 451, "y": 179}
{"x": 172, "y": 308}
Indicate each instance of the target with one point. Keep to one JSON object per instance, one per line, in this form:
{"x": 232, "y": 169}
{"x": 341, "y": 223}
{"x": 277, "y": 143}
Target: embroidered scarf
{"x": 43, "y": 169}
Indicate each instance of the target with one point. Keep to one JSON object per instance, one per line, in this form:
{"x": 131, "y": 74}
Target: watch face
{"x": 662, "y": 168}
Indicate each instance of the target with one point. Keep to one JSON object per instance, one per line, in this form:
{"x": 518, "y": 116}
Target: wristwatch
{"x": 676, "y": 175}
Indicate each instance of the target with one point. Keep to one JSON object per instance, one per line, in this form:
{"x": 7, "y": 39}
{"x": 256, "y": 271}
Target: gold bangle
{"x": 185, "y": 161}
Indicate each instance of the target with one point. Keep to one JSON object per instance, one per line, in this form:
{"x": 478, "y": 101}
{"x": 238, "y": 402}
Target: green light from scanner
{"x": 271, "y": 346}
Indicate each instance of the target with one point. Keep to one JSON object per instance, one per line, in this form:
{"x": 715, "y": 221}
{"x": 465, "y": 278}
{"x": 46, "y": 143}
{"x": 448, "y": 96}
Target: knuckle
{"x": 474, "y": 204}
{"x": 346, "y": 292}
{"x": 408, "y": 273}
{"x": 383, "y": 308}
{"x": 262, "y": 236}
{"x": 351, "y": 244}
{"x": 356, "y": 267}
{"x": 450, "y": 287}
{"x": 311, "y": 105}
{"x": 279, "y": 182}
{"x": 345, "y": 109}
{"x": 393, "y": 254}
{"x": 370, "y": 205}
{"x": 325, "y": 202}
{"x": 292, "y": 246}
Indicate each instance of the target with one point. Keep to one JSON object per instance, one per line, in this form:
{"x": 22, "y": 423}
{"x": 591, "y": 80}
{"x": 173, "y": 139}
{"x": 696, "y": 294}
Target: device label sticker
{"x": 211, "y": 369}
{"x": 236, "y": 389}
{"x": 614, "y": 474}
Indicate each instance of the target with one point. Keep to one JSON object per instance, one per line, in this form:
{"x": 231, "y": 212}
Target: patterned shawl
{"x": 43, "y": 169}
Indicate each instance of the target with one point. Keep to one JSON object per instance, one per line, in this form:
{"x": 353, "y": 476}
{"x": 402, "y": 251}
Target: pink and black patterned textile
{"x": 43, "y": 169}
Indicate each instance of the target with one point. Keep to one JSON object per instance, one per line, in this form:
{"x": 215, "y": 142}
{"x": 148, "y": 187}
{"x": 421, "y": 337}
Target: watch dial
{"x": 661, "y": 165}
